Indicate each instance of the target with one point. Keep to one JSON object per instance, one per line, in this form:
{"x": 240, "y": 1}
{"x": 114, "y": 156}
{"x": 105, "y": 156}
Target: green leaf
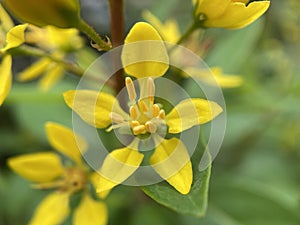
{"x": 233, "y": 47}
{"x": 194, "y": 203}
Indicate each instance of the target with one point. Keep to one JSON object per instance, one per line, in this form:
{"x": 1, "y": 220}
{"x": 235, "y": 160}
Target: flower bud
{"x": 231, "y": 14}
{"x": 59, "y": 13}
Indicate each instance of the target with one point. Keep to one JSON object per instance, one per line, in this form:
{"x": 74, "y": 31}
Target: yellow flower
{"x": 145, "y": 119}
{"x": 46, "y": 170}
{"x": 214, "y": 76}
{"x": 169, "y": 30}
{"x": 143, "y": 43}
{"x": 231, "y": 14}
{"x": 59, "y": 13}
{"x": 58, "y": 43}
{"x": 5, "y": 77}
{"x": 10, "y": 37}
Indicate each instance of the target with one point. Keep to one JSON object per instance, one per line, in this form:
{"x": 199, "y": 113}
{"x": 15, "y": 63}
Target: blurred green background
{"x": 256, "y": 176}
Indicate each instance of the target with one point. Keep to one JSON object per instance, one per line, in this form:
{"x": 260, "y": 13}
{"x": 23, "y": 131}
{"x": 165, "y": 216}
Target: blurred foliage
{"x": 255, "y": 179}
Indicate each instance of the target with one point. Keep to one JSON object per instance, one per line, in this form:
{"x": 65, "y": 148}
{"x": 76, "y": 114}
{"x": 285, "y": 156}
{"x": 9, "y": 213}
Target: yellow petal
{"x": 226, "y": 80}
{"x": 117, "y": 167}
{"x": 212, "y": 8}
{"x": 5, "y": 77}
{"x": 238, "y": 15}
{"x": 64, "y": 39}
{"x": 215, "y": 77}
{"x": 94, "y": 177}
{"x": 15, "y": 37}
{"x": 53, "y": 210}
{"x": 93, "y": 107}
{"x": 6, "y": 21}
{"x": 148, "y": 56}
{"x": 169, "y": 30}
{"x": 172, "y": 162}
{"x": 37, "y": 167}
{"x": 34, "y": 70}
{"x": 51, "y": 76}
{"x": 91, "y": 212}
{"x": 60, "y": 13}
{"x": 191, "y": 112}
{"x": 65, "y": 141}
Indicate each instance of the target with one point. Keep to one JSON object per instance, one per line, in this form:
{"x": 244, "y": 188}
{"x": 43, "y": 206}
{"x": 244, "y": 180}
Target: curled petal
{"x": 5, "y": 77}
{"x": 172, "y": 162}
{"x": 90, "y": 211}
{"x": 191, "y": 112}
{"x": 239, "y": 15}
{"x": 37, "y": 167}
{"x": 117, "y": 167}
{"x": 144, "y": 53}
{"x": 15, "y": 37}
{"x": 93, "y": 107}
{"x": 65, "y": 141}
{"x": 53, "y": 210}
{"x": 212, "y": 8}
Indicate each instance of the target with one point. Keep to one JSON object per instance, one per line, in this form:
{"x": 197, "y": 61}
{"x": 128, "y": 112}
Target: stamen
{"x": 150, "y": 89}
{"x": 143, "y": 107}
{"x": 141, "y": 129}
{"x": 151, "y": 127}
{"x": 134, "y": 113}
{"x": 116, "y": 118}
{"x": 134, "y": 123}
{"x": 116, "y": 126}
{"x": 162, "y": 114}
{"x": 130, "y": 89}
{"x": 155, "y": 110}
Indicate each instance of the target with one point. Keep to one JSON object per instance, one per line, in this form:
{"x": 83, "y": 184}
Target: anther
{"x": 162, "y": 114}
{"x": 150, "y": 89}
{"x": 134, "y": 114}
{"x": 143, "y": 107}
{"x": 151, "y": 127}
{"x": 130, "y": 89}
{"x": 155, "y": 110}
{"x": 116, "y": 118}
{"x": 134, "y": 123}
{"x": 141, "y": 129}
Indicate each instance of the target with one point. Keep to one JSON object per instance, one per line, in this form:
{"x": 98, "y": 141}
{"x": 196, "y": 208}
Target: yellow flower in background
{"x": 59, "y": 13}
{"x": 168, "y": 30}
{"x": 5, "y": 77}
{"x": 232, "y": 14}
{"x": 47, "y": 171}
{"x": 58, "y": 43}
{"x": 214, "y": 76}
{"x": 10, "y": 37}
{"x": 145, "y": 118}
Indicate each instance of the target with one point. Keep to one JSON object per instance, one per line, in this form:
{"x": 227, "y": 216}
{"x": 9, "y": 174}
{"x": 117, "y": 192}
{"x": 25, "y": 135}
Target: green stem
{"x": 31, "y": 51}
{"x": 88, "y": 30}
{"x": 189, "y": 31}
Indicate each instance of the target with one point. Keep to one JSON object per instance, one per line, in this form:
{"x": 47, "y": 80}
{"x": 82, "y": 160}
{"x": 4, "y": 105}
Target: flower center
{"x": 145, "y": 115}
{"x": 75, "y": 180}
